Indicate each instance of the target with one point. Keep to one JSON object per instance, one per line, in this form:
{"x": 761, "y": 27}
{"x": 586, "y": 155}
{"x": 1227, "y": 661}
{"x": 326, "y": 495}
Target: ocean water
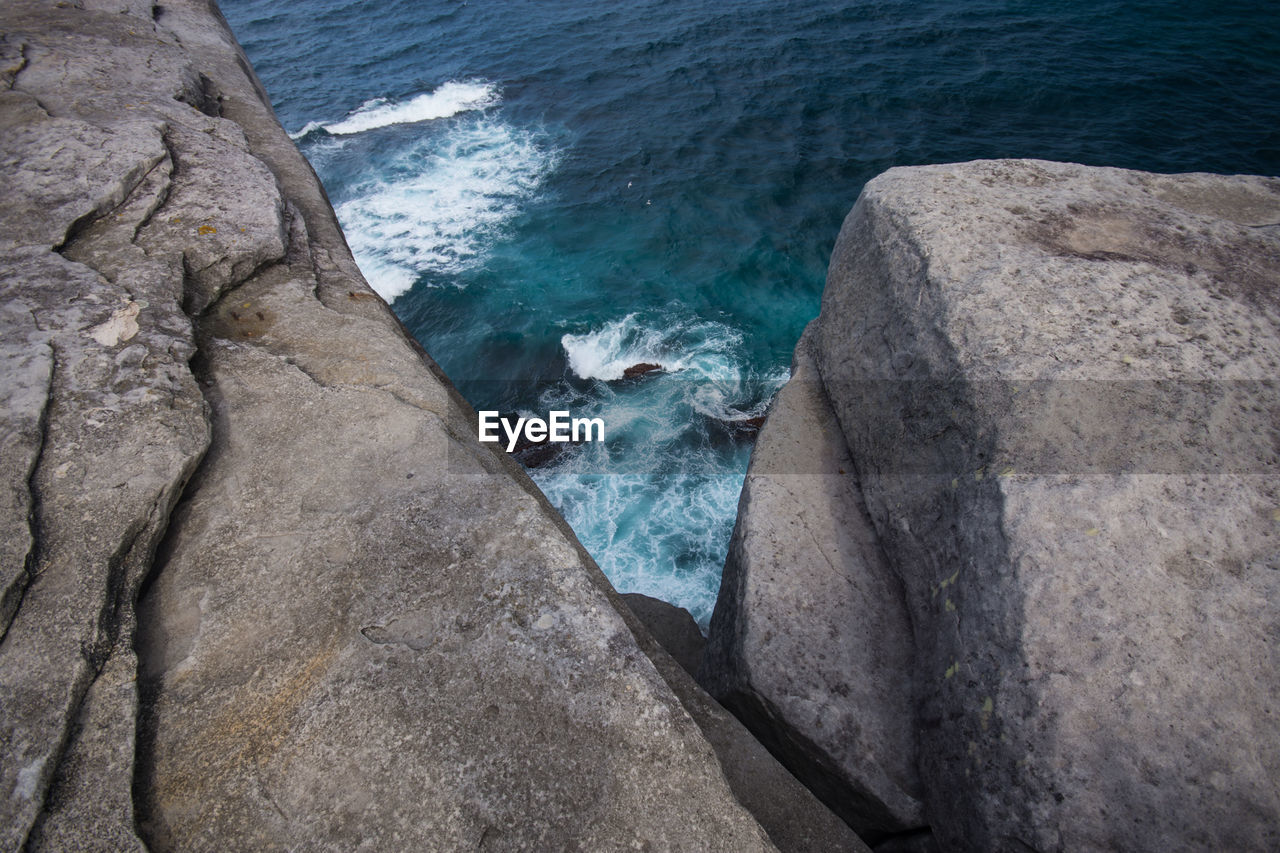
{"x": 548, "y": 193}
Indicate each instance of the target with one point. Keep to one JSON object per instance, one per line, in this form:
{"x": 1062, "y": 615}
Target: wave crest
{"x": 448, "y": 100}
{"x": 706, "y": 347}
{"x": 442, "y": 202}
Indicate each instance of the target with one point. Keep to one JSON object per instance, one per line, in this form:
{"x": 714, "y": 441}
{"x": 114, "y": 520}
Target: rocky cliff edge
{"x": 262, "y": 587}
{"x": 1006, "y": 571}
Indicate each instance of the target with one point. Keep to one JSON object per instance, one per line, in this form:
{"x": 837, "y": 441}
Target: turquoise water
{"x": 550, "y": 192}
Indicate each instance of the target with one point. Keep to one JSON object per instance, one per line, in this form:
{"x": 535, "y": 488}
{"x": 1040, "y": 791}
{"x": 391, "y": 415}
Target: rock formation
{"x": 635, "y": 371}
{"x": 810, "y": 640}
{"x": 793, "y": 817}
{"x": 254, "y": 595}
{"x": 673, "y": 627}
{"x": 1006, "y": 567}
{"x": 1057, "y": 388}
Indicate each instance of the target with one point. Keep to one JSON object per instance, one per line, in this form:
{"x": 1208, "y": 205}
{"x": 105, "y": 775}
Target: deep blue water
{"x": 551, "y": 191}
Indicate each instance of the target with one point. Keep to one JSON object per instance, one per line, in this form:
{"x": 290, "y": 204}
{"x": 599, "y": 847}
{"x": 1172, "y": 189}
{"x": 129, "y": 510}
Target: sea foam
{"x": 705, "y": 368}
{"x": 676, "y": 343}
{"x": 449, "y": 99}
{"x": 662, "y": 536}
{"x": 608, "y": 351}
{"x": 441, "y": 201}
{"x": 655, "y": 504}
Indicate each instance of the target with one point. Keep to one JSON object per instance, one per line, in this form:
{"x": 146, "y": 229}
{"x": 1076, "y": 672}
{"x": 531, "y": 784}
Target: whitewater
{"x": 439, "y": 200}
{"x": 450, "y": 99}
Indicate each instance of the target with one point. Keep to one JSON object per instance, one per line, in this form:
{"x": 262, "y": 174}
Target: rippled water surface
{"x": 550, "y": 192}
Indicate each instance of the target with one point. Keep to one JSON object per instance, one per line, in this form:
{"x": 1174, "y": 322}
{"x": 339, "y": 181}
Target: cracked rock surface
{"x": 262, "y": 587}
{"x": 1058, "y": 388}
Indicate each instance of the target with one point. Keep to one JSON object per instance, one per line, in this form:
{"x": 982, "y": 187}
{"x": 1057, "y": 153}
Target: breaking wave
{"x": 449, "y": 99}
{"x": 437, "y": 205}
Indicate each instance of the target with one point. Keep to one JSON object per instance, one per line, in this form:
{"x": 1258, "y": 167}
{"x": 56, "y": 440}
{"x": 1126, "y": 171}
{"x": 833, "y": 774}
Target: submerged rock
{"x": 746, "y": 425}
{"x": 638, "y": 370}
{"x": 1057, "y": 388}
{"x": 531, "y": 454}
{"x": 538, "y": 454}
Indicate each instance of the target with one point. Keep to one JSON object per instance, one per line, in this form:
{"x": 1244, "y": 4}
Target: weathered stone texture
{"x": 810, "y": 643}
{"x": 673, "y": 627}
{"x": 339, "y": 648}
{"x": 793, "y": 817}
{"x": 109, "y": 419}
{"x": 1058, "y": 387}
{"x": 1093, "y": 573}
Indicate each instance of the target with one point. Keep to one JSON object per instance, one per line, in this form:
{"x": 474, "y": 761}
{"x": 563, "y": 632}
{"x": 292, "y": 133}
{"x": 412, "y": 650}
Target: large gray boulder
{"x": 810, "y": 643}
{"x": 1058, "y": 387}
{"x": 208, "y": 411}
